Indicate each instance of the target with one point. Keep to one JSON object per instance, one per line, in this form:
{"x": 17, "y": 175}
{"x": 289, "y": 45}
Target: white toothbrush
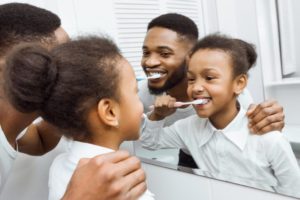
{"x": 195, "y": 102}
{"x": 179, "y": 103}
{"x": 154, "y": 76}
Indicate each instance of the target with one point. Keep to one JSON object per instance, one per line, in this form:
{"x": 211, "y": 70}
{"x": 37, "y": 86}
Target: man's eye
{"x": 145, "y": 53}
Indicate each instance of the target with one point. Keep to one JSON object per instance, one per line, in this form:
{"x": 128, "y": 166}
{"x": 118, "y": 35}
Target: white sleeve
{"x": 285, "y": 166}
{"x": 7, "y": 157}
{"x": 145, "y": 96}
{"x": 245, "y": 99}
{"x": 155, "y": 136}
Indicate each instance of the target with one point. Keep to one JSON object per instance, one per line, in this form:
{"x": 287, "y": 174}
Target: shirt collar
{"x": 86, "y": 150}
{"x": 236, "y": 131}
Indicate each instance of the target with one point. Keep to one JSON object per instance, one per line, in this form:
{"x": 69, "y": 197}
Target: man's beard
{"x": 171, "y": 82}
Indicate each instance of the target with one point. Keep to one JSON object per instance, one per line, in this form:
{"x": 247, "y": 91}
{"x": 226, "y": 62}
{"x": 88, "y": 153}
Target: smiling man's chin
{"x": 156, "y": 91}
{"x": 169, "y": 84}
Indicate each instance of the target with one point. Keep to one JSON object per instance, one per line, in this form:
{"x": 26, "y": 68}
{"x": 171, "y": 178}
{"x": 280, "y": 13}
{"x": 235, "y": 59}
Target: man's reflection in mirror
{"x": 168, "y": 40}
{"x": 218, "y": 136}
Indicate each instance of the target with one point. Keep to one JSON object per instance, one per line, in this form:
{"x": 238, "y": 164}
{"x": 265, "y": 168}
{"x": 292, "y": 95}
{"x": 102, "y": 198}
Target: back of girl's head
{"x": 243, "y": 55}
{"x": 62, "y": 85}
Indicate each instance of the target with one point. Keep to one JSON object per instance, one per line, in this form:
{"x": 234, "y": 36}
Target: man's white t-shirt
{"x": 7, "y": 157}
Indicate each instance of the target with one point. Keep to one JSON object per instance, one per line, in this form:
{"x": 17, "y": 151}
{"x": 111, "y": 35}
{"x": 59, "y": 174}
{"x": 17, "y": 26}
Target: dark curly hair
{"x": 243, "y": 54}
{"x": 181, "y": 24}
{"x": 64, "y": 84}
{"x": 21, "y": 22}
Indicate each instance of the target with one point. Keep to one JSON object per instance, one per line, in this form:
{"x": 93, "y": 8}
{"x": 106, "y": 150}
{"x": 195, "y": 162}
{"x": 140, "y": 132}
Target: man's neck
{"x": 179, "y": 91}
{"x": 14, "y": 122}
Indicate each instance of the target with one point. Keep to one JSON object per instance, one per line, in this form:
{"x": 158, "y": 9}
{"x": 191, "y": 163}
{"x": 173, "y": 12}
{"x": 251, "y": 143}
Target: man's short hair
{"x": 21, "y": 22}
{"x": 181, "y": 24}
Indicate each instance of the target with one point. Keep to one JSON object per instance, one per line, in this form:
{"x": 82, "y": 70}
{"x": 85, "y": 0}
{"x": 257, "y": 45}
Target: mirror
{"x": 169, "y": 157}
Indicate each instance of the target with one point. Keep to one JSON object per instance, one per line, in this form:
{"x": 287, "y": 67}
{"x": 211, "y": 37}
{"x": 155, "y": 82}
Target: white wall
{"x": 238, "y": 19}
{"x": 284, "y": 90}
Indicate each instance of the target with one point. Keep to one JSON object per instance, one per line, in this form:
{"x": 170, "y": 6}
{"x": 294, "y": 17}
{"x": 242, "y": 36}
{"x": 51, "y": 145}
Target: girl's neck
{"x": 222, "y": 118}
{"x": 101, "y": 134}
{"x": 108, "y": 140}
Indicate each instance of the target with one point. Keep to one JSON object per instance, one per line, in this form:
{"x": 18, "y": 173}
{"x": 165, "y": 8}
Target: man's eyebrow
{"x": 160, "y": 48}
{"x": 164, "y": 47}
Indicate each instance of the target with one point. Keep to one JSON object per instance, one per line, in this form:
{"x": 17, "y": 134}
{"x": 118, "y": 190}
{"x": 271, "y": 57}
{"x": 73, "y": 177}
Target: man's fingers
{"x": 113, "y": 157}
{"x": 83, "y": 161}
{"x": 269, "y": 123}
{"x": 134, "y": 179}
{"x": 127, "y": 166}
{"x": 251, "y": 110}
{"x": 276, "y": 125}
{"x": 258, "y": 108}
{"x": 264, "y": 114}
{"x": 137, "y": 191}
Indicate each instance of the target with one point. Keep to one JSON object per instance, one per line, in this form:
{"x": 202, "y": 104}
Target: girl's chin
{"x": 203, "y": 115}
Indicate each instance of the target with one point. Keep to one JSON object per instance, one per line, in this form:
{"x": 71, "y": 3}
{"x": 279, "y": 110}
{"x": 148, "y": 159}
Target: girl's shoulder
{"x": 272, "y": 136}
{"x": 272, "y": 139}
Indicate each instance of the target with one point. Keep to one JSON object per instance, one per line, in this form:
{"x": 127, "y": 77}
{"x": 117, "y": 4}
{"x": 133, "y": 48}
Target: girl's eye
{"x": 190, "y": 80}
{"x": 209, "y": 78}
{"x": 165, "y": 54}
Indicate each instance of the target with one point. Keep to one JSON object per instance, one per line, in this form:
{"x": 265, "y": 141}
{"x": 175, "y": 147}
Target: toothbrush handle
{"x": 179, "y": 104}
{"x": 176, "y": 105}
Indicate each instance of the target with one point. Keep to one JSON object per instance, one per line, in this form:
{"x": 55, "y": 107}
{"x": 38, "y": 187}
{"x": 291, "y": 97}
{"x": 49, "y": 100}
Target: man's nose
{"x": 152, "y": 61}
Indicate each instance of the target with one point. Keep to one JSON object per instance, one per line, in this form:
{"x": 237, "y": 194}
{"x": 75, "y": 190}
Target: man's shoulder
{"x": 143, "y": 87}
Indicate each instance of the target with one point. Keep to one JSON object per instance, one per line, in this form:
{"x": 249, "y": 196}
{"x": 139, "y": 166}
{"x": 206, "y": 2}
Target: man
{"x": 168, "y": 40}
{"x": 113, "y": 176}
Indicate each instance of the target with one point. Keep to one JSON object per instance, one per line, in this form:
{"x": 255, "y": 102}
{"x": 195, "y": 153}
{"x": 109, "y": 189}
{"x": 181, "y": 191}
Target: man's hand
{"x": 163, "y": 107}
{"x": 113, "y": 176}
{"x": 265, "y": 117}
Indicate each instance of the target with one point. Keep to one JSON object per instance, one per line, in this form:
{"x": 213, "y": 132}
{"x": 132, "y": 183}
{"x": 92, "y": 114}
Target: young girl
{"x": 218, "y": 136}
{"x": 84, "y": 87}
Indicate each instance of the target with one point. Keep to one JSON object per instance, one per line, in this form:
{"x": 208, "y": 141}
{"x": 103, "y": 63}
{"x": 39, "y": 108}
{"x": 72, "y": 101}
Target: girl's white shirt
{"x": 233, "y": 153}
{"x": 65, "y": 164}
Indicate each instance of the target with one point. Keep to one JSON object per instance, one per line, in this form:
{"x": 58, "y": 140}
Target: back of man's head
{"x": 181, "y": 24}
{"x": 20, "y": 22}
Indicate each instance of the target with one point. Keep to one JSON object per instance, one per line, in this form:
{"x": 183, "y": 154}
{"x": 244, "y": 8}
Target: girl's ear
{"x": 109, "y": 112}
{"x": 240, "y": 83}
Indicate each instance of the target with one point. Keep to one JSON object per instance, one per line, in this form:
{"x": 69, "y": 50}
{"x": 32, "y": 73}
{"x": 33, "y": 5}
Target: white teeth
{"x": 201, "y": 101}
{"x": 154, "y": 75}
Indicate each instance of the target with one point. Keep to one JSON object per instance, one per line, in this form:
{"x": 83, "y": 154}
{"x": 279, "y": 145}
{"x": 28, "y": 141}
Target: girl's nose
{"x": 198, "y": 87}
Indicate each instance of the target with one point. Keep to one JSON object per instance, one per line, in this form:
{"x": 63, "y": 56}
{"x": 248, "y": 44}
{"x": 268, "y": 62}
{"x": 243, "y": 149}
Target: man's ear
{"x": 109, "y": 112}
{"x": 240, "y": 83}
